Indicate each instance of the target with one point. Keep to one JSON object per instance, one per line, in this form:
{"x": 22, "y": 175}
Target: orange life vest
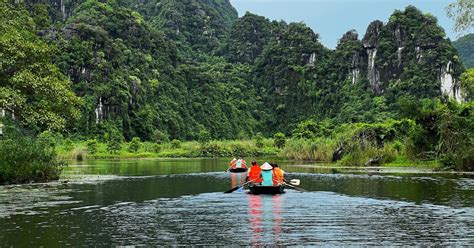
{"x": 254, "y": 173}
{"x": 278, "y": 177}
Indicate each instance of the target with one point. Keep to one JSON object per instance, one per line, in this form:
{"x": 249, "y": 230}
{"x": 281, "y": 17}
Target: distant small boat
{"x": 238, "y": 170}
{"x": 269, "y": 190}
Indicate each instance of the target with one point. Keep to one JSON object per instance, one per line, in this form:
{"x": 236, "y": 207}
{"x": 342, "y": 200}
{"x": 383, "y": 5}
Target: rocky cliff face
{"x": 392, "y": 51}
{"x": 201, "y": 24}
{"x": 59, "y": 10}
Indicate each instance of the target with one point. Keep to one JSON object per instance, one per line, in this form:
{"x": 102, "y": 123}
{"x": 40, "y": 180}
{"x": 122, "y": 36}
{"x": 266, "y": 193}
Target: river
{"x": 180, "y": 202}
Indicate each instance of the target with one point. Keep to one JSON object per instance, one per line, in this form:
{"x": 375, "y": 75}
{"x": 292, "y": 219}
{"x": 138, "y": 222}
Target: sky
{"x": 332, "y": 18}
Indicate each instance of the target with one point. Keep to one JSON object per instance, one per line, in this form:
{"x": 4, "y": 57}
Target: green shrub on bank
{"x": 134, "y": 145}
{"x": 279, "y": 140}
{"x": 259, "y": 140}
{"x": 363, "y": 153}
{"x": 91, "y": 146}
{"x": 175, "y": 144}
{"x": 160, "y": 137}
{"x": 27, "y": 159}
{"x": 114, "y": 146}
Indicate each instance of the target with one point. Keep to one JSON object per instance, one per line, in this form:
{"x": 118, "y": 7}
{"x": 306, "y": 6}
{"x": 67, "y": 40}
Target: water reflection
{"x": 177, "y": 203}
{"x": 237, "y": 179}
{"x": 265, "y": 218}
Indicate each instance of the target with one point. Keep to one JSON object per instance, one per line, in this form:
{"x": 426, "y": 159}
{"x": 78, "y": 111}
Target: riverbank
{"x": 175, "y": 149}
{"x": 87, "y": 150}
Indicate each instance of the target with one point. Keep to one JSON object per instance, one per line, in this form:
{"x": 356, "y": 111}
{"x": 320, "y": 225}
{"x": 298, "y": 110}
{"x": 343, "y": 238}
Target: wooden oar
{"x": 294, "y": 187}
{"x": 236, "y": 188}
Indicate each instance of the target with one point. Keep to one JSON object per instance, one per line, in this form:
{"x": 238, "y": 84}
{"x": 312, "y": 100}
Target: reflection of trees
{"x": 419, "y": 188}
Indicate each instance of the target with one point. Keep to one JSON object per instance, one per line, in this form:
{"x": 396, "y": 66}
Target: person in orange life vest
{"x": 278, "y": 175}
{"x": 240, "y": 163}
{"x": 233, "y": 163}
{"x": 254, "y": 172}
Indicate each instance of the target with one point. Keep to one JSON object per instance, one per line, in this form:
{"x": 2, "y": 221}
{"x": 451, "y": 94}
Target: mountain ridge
{"x": 189, "y": 67}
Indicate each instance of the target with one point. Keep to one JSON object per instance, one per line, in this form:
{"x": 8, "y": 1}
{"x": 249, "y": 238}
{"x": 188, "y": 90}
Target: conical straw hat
{"x": 266, "y": 166}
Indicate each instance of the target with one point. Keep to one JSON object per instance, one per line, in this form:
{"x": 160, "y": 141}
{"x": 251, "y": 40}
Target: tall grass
{"x": 185, "y": 149}
{"x": 320, "y": 149}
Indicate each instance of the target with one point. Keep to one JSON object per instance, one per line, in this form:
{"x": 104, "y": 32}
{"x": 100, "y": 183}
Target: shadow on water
{"x": 180, "y": 202}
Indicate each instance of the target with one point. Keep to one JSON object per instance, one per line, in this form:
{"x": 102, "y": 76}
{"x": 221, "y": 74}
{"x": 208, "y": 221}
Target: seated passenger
{"x": 267, "y": 174}
{"x": 240, "y": 163}
{"x": 278, "y": 175}
{"x": 254, "y": 172}
{"x": 233, "y": 163}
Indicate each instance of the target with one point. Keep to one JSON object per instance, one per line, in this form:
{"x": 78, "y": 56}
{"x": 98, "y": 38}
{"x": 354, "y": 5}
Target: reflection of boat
{"x": 266, "y": 220}
{"x": 238, "y": 170}
{"x": 269, "y": 190}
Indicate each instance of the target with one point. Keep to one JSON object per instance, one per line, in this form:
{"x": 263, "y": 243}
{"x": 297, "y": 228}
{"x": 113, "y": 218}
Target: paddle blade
{"x": 295, "y": 182}
{"x": 232, "y": 190}
{"x": 296, "y": 188}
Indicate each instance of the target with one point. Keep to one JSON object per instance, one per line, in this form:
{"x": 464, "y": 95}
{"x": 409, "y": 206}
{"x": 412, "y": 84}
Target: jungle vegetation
{"x": 115, "y": 76}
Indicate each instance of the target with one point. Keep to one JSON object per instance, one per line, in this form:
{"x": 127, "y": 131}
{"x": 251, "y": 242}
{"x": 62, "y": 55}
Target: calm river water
{"x": 180, "y": 202}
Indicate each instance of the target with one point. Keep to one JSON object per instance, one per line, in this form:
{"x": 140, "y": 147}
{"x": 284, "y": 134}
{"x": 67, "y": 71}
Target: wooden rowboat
{"x": 238, "y": 170}
{"x": 269, "y": 190}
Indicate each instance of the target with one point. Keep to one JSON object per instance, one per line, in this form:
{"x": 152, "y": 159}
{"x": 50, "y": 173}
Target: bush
{"x": 91, "y": 146}
{"x": 114, "y": 146}
{"x": 68, "y": 145}
{"x": 214, "y": 150}
{"x": 156, "y": 148}
{"x": 204, "y": 136}
{"x": 160, "y": 137}
{"x": 27, "y": 159}
{"x": 50, "y": 139}
{"x": 239, "y": 150}
{"x": 359, "y": 154}
{"x": 279, "y": 140}
{"x": 259, "y": 140}
{"x": 175, "y": 144}
{"x": 134, "y": 145}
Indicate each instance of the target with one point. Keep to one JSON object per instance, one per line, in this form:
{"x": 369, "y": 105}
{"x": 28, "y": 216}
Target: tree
{"x": 160, "y": 137}
{"x": 204, "y": 136}
{"x": 32, "y": 89}
{"x": 462, "y": 11}
{"x": 467, "y": 84}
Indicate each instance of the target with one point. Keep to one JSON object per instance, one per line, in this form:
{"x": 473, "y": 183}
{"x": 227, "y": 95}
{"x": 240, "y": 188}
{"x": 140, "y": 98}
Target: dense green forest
{"x": 465, "y": 46}
{"x": 160, "y": 70}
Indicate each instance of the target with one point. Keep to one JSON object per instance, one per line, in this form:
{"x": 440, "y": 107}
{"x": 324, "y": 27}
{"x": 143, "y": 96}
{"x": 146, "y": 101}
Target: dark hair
{"x": 274, "y": 165}
{"x": 254, "y": 162}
